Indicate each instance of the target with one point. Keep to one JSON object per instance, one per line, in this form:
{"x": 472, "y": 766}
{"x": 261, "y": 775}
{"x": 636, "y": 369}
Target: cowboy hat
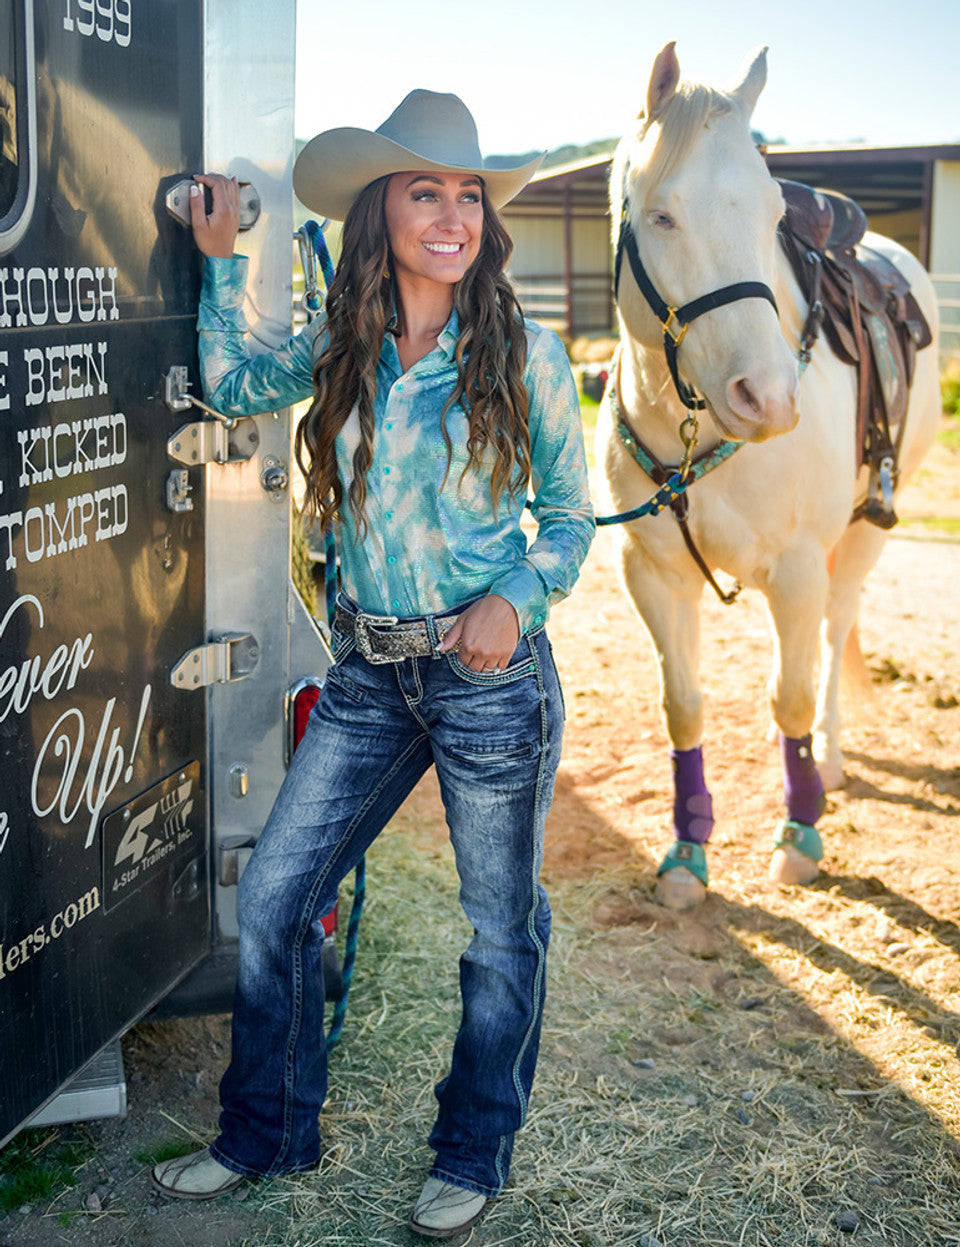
{"x": 426, "y": 131}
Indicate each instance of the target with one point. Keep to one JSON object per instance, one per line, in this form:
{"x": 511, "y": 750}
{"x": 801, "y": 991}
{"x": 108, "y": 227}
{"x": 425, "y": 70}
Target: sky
{"x": 538, "y": 74}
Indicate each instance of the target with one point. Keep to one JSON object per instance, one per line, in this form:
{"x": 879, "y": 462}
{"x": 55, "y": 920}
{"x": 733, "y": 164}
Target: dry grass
{"x": 709, "y": 1106}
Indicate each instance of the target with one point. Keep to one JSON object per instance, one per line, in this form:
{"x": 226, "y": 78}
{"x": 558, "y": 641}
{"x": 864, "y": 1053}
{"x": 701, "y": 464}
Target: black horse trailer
{"x": 151, "y": 639}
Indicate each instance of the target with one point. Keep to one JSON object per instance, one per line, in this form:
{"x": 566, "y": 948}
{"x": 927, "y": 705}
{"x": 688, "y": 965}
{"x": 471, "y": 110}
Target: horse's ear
{"x": 663, "y": 82}
{"x": 754, "y": 78}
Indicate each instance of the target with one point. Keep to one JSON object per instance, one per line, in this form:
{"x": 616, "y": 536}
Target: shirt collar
{"x": 446, "y": 340}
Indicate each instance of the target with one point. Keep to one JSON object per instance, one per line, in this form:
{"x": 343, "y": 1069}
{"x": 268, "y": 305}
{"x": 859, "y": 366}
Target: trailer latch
{"x": 179, "y": 490}
{"x": 224, "y": 439}
{"x": 233, "y": 853}
{"x": 232, "y": 656}
{"x": 275, "y": 478}
{"x": 177, "y": 396}
{"x": 177, "y": 201}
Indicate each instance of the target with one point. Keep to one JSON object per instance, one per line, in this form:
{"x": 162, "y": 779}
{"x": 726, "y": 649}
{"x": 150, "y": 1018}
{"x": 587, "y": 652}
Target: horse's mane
{"x": 683, "y": 117}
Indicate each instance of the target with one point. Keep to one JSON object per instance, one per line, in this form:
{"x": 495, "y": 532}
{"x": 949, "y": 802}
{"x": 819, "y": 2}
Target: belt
{"x": 384, "y": 638}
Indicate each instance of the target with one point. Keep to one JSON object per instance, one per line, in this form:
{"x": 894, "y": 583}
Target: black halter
{"x": 674, "y": 320}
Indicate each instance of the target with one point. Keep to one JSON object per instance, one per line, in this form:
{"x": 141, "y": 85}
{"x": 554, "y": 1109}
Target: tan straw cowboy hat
{"x": 426, "y": 131}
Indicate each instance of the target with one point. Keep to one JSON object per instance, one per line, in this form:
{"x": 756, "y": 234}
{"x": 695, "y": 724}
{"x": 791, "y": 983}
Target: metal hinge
{"x": 208, "y": 441}
{"x": 232, "y": 656}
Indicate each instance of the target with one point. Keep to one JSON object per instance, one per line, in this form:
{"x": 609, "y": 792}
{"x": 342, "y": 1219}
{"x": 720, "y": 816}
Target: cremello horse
{"x": 703, "y": 211}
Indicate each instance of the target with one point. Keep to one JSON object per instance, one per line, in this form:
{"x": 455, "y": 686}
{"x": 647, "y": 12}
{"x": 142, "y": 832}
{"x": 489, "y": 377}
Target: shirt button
{"x": 386, "y": 471}
{"x": 392, "y": 558}
{"x": 388, "y": 515}
{"x": 395, "y": 604}
{"x": 388, "y": 425}
{"x": 399, "y": 387}
{"x": 538, "y": 620}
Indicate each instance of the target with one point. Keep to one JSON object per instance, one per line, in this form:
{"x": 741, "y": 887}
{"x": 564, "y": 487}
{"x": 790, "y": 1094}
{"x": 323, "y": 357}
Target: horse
{"x": 712, "y": 353}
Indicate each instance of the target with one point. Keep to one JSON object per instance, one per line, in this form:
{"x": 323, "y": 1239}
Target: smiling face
{"x": 434, "y": 225}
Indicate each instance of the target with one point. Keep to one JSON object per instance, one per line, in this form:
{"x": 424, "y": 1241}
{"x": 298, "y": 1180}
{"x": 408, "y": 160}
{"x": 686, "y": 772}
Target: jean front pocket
{"x": 522, "y": 663}
{"x": 491, "y": 679}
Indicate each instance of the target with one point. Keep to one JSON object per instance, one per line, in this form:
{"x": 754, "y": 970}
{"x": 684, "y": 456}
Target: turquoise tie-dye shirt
{"x": 433, "y": 538}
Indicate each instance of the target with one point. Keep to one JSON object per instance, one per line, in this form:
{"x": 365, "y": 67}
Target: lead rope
{"x": 314, "y": 251}
{"x": 673, "y": 487}
{"x": 689, "y": 471}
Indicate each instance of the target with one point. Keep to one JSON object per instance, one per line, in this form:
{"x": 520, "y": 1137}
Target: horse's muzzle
{"x": 762, "y": 405}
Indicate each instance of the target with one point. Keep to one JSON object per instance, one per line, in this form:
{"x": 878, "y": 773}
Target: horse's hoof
{"x": 679, "y": 888}
{"x": 789, "y": 865}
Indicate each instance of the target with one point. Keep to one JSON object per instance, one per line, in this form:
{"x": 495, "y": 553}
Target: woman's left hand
{"x": 215, "y": 233}
{"x": 485, "y": 635}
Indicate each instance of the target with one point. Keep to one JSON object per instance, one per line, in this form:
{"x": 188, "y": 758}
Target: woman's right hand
{"x": 215, "y": 233}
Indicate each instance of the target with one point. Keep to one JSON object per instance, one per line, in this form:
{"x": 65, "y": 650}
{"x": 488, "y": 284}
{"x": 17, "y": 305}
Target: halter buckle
{"x": 669, "y": 326}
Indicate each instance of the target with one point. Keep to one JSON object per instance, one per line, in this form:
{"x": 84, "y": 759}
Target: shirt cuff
{"x": 523, "y": 589}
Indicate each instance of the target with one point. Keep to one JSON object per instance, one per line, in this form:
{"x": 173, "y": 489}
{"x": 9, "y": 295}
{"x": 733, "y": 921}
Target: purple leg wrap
{"x": 802, "y": 786}
{"x": 692, "y": 807}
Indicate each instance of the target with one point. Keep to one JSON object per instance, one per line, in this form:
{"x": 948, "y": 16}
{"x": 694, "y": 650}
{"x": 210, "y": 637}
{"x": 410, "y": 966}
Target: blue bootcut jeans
{"x": 495, "y": 741}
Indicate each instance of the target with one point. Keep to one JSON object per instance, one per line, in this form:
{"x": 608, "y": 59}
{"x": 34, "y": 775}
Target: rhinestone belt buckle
{"x": 363, "y": 624}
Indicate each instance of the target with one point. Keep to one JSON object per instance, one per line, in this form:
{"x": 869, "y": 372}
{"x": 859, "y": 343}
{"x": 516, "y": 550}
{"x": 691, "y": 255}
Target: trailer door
{"x": 104, "y": 877}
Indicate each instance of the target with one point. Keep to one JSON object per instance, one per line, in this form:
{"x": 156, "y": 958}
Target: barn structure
{"x": 560, "y": 224}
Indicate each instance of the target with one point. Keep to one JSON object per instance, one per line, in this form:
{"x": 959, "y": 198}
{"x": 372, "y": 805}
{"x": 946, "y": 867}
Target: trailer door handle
{"x": 177, "y": 200}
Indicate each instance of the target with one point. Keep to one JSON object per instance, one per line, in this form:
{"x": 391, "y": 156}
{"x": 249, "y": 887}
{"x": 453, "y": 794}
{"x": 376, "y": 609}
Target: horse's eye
{"x": 661, "y": 220}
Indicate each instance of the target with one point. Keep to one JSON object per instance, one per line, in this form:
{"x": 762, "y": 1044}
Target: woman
{"x": 435, "y": 407}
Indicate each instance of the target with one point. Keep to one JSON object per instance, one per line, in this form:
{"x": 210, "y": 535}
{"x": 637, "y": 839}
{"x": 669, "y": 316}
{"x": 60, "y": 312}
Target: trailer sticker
{"x": 141, "y": 839}
{"x": 16, "y": 953}
{"x": 116, "y": 23}
{"x": 61, "y": 755}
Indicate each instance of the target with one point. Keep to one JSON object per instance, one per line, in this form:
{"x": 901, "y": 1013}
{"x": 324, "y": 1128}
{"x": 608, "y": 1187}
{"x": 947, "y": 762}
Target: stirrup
{"x": 686, "y": 853}
{"x": 804, "y": 838}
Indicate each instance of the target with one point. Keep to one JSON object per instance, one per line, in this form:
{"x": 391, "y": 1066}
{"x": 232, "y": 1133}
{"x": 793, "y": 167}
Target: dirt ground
{"x": 870, "y": 954}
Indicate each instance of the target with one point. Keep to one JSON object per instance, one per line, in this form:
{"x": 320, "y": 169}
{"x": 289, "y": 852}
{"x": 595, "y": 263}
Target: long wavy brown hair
{"x": 491, "y": 356}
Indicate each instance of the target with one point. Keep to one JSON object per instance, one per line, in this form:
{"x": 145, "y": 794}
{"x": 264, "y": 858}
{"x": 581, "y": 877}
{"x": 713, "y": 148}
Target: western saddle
{"x": 870, "y": 318}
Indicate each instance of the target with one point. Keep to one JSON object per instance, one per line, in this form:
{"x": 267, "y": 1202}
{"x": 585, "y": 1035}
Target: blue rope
{"x": 316, "y": 236}
{"x": 349, "y": 952}
{"x": 672, "y": 488}
{"x": 675, "y": 485}
{"x": 330, "y": 573}
{"x": 360, "y": 875}
{"x": 312, "y": 303}
{"x": 669, "y": 490}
